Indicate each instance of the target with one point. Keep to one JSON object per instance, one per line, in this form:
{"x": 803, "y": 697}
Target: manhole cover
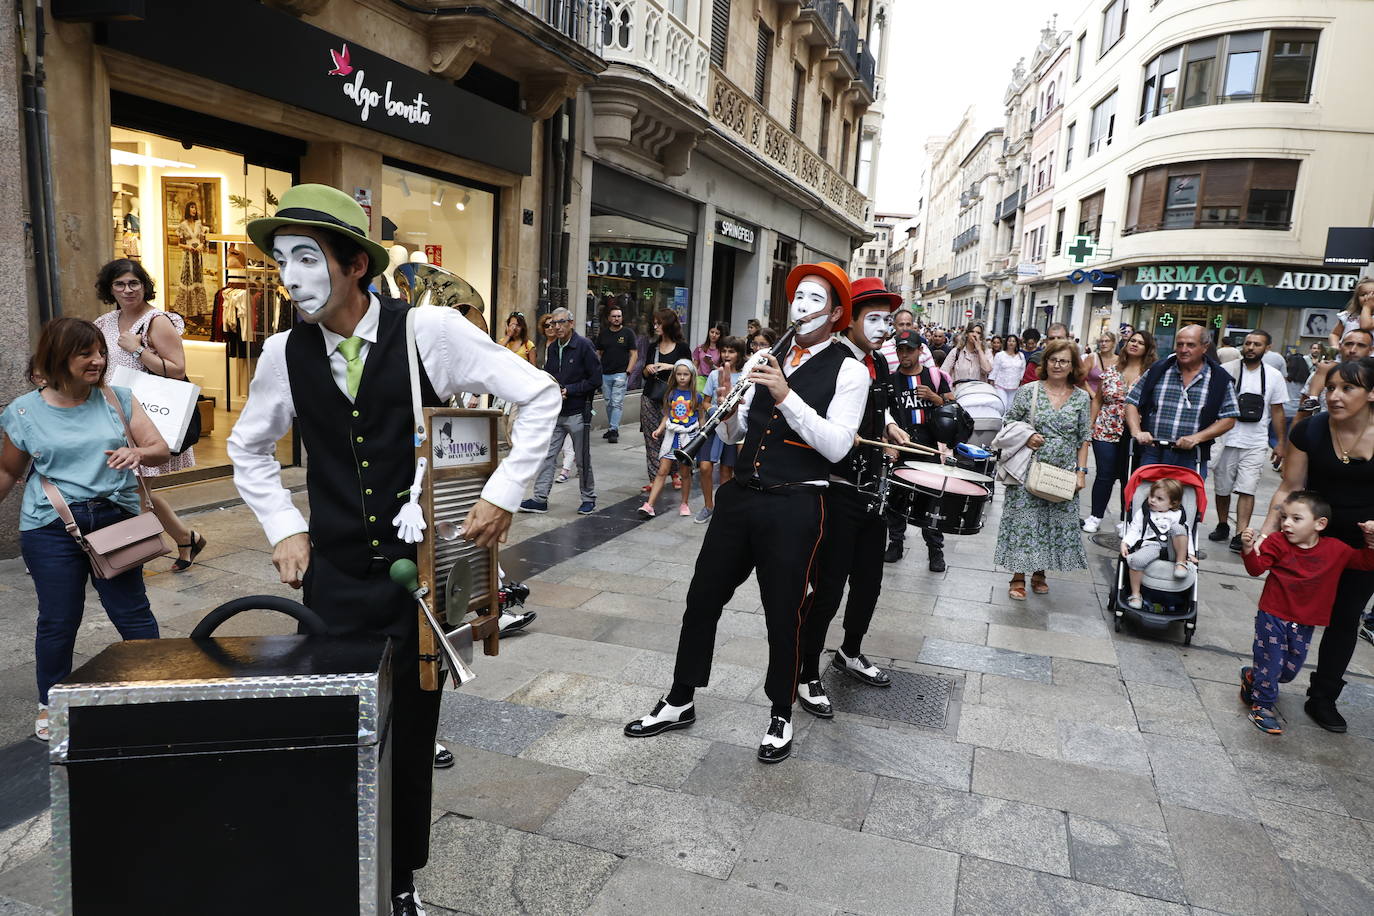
{"x": 1108, "y": 541}
{"x": 917, "y": 699}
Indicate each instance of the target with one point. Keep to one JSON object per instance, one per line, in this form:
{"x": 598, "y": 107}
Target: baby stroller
{"x": 984, "y": 404}
{"x": 1168, "y": 600}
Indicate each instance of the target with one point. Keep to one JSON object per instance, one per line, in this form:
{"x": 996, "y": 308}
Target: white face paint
{"x": 304, "y": 272}
{"x": 877, "y": 327}
{"x": 812, "y": 297}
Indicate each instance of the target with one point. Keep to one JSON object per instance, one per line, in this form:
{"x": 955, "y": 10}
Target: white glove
{"x": 410, "y": 521}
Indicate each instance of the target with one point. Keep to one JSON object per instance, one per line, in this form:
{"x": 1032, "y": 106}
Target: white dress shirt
{"x": 833, "y": 434}
{"x": 456, "y": 356}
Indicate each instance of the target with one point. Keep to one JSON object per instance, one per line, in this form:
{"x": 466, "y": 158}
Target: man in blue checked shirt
{"x": 1185, "y": 399}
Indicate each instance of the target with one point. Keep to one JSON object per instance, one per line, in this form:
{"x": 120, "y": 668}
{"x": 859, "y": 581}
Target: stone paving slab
{"x": 655, "y": 669}
{"x": 1318, "y": 837}
{"x": 682, "y": 893}
{"x": 806, "y": 789}
{"x": 1095, "y": 745}
{"x": 1124, "y": 858}
{"x": 1198, "y": 776}
{"x": 519, "y": 873}
{"x": 858, "y": 872}
{"x": 699, "y": 834}
{"x": 1101, "y": 794}
{"x": 945, "y": 654}
{"x": 499, "y": 789}
{"x": 988, "y": 888}
{"x": 892, "y": 752}
{"x": 601, "y": 748}
{"x": 1009, "y": 730}
{"x": 492, "y": 725}
{"x": 1327, "y": 891}
{"x": 972, "y": 824}
{"x": 1174, "y": 712}
{"x": 1229, "y": 864}
{"x": 583, "y": 695}
{"x": 1045, "y": 642}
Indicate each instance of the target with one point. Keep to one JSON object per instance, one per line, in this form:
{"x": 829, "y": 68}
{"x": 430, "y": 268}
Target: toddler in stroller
{"x": 1152, "y": 531}
{"x": 1156, "y": 571}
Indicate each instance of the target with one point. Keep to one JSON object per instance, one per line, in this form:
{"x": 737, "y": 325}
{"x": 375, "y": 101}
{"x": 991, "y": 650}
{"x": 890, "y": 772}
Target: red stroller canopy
{"x": 1152, "y": 472}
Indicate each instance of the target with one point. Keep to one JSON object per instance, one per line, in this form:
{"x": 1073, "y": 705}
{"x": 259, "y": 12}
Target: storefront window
{"x": 441, "y": 222}
{"x": 180, "y": 212}
{"x": 638, "y": 267}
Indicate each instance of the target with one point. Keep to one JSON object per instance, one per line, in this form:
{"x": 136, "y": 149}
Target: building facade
{"x": 870, "y": 259}
{"x": 721, "y": 148}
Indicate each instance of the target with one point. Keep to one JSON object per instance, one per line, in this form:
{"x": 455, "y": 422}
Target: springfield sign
{"x": 1237, "y": 283}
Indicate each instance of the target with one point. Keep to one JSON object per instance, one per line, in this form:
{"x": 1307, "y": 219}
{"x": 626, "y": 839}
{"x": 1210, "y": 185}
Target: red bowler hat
{"x": 834, "y": 275}
{"x": 871, "y": 291}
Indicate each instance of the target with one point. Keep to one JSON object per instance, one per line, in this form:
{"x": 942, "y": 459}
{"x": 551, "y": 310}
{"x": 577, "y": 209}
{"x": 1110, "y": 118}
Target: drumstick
{"x": 914, "y": 449}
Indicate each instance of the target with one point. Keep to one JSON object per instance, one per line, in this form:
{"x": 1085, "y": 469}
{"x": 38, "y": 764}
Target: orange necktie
{"x": 798, "y": 354}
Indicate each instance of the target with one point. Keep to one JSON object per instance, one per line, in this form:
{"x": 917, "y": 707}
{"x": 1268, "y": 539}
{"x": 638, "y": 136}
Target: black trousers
{"x": 374, "y": 605}
{"x": 777, "y": 536}
{"x": 851, "y": 551}
{"x": 1341, "y": 635}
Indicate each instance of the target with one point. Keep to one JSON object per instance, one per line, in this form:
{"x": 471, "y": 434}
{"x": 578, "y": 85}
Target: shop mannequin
{"x": 133, "y": 248}
{"x": 396, "y": 256}
{"x": 418, "y": 257}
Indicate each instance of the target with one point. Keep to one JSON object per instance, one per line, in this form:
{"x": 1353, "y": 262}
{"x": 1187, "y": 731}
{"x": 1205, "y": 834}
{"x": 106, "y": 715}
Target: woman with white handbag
{"x": 1040, "y": 526}
{"x": 136, "y": 338}
{"x": 83, "y": 450}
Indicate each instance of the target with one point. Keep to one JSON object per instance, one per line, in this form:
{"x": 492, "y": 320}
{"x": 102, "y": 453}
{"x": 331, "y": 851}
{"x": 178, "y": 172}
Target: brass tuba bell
{"x": 425, "y": 284}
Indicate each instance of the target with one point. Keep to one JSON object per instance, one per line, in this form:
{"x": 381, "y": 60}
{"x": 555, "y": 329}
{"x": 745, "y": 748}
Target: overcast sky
{"x": 944, "y": 56}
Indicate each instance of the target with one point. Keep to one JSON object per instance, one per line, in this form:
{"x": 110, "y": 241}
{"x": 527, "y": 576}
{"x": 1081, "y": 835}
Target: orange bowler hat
{"x": 834, "y": 275}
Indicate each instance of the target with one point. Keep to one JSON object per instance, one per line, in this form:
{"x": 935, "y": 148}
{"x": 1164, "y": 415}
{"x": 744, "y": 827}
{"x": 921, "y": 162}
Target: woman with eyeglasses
{"x": 141, "y": 337}
{"x": 1036, "y": 535}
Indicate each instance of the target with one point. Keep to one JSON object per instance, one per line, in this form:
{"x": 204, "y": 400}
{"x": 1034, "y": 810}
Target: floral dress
{"x": 1111, "y": 418}
{"x": 1035, "y": 534}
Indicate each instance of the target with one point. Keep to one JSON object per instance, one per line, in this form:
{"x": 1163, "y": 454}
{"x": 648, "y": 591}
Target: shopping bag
{"x": 168, "y": 402}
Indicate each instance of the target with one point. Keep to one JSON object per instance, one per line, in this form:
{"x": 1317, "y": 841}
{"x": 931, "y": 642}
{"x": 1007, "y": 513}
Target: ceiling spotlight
{"x": 405, "y": 187}
{"x": 439, "y": 197}
{"x": 124, "y": 157}
{"x": 463, "y": 204}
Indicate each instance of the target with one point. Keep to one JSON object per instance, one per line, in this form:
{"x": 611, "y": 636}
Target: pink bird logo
{"x": 341, "y": 65}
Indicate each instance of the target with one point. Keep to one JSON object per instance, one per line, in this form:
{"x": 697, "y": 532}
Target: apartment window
{"x": 678, "y": 8}
{"x": 865, "y": 170}
{"x": 1068, "y": 144}
{"x": 1113, "y": 24}
{"x": 1219, "y": 193}
{"x": 1255, "y": 66}
{"x": 1078, "y": 57}
{"x": 823, "y": 145}
{"x": 720, "y": 30}
{"x": 844, "y": 147}
{"x": 1090, "y": 215}
{"x": 763, "y": 62}
{"x": 798, "y": 84}
{"x": 1103, "y": 124}
{"x": 1059, "y": 230}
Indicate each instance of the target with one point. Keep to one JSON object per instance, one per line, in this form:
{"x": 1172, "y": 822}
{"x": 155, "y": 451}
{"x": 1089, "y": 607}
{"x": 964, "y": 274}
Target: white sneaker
{"x": 1091, "y": 524}
{"x": 40, "y": 724}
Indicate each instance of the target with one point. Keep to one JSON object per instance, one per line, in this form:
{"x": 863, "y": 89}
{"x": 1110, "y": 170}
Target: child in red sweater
{"x": 1303, "y": 571}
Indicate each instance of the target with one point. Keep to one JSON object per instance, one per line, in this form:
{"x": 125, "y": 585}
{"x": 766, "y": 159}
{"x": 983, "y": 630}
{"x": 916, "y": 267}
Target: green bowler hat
{"x": 322, "y": 207}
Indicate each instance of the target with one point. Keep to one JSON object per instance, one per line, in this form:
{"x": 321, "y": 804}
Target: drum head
{"x": 947, "y": 470}
{"x": 928, "y": 482}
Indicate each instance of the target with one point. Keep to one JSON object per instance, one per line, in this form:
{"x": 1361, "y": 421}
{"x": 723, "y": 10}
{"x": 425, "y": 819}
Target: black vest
{"x": 773, "y": 453}
{"x": 361, "y": 455}
{"x": 871, "y": 424}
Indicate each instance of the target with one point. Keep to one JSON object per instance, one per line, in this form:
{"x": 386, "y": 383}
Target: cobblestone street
{"x": 1076, "y": 770}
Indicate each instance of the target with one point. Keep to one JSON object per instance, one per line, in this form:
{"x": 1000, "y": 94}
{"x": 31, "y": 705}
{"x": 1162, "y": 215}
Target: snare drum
{"x": 956, "y": 506}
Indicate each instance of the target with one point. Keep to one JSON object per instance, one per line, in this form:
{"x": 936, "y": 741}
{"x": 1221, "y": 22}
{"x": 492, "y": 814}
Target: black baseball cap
{"x": 909, "y": 338}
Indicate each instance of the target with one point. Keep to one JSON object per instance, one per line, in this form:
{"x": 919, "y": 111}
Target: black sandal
{"x": 197, "y": 545}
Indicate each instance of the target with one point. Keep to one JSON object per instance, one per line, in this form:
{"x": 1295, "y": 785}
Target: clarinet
{"x": 688, "y": 452}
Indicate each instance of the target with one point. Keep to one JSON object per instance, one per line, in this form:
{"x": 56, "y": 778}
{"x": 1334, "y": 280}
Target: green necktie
{"x": 352, "y": 350}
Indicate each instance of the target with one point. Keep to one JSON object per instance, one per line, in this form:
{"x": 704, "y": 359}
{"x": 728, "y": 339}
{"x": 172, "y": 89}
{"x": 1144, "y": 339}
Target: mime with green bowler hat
{"x": 341, "y": 372}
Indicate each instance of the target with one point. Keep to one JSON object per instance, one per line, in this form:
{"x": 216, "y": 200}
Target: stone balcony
{"x": 643, "y": 34}
{"x": 745, "y": 121}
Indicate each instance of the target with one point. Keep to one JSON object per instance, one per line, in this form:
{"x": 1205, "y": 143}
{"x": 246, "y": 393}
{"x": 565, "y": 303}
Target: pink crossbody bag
{"x": 117, "y": 548}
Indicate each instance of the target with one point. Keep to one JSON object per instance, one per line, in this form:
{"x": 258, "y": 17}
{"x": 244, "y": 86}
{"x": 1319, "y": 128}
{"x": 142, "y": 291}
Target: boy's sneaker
{"x": 1367, "y": 630}
{"x": 1091, "y": 524}
{"x": 703, "y": 516}
{"x": 646, "y": 511}
{"x": 1236, "y": 545}
{"x": 587, "y": 507}
{"x": 1265, "y": 720}
{"x": 534, "y": 505}
{"x": 1221, "y": 532}
{"x": 1247, "y": 685}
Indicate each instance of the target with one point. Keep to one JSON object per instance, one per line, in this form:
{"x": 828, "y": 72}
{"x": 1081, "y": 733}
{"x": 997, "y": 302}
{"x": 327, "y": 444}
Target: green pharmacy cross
{"x": 1166, "y": 319}
{"x": 1217, "y": 322}
{"x": 1081, "y": 249}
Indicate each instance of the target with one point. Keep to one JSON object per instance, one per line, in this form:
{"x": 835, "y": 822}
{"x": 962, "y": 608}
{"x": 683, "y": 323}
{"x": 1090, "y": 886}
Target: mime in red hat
{"x": 797, "y": 419}
{"x": 855, "y": 531}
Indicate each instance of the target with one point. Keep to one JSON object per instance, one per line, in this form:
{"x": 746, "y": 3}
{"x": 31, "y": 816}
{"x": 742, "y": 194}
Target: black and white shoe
{"x": 813, "y": 699}
{"x": 777, "y": 741}
{"x": 407, "y": 904}
{"x": 860, "y": 669}
{"x": 662, "y": 719}
{"x": 443, "y": 757}
{"x": 513, "y": 623}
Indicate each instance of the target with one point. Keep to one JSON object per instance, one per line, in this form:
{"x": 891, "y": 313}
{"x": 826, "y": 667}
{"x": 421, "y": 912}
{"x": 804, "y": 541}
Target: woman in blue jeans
{"x": 76, "y": 440}
{"x": 1109, "y": 421}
